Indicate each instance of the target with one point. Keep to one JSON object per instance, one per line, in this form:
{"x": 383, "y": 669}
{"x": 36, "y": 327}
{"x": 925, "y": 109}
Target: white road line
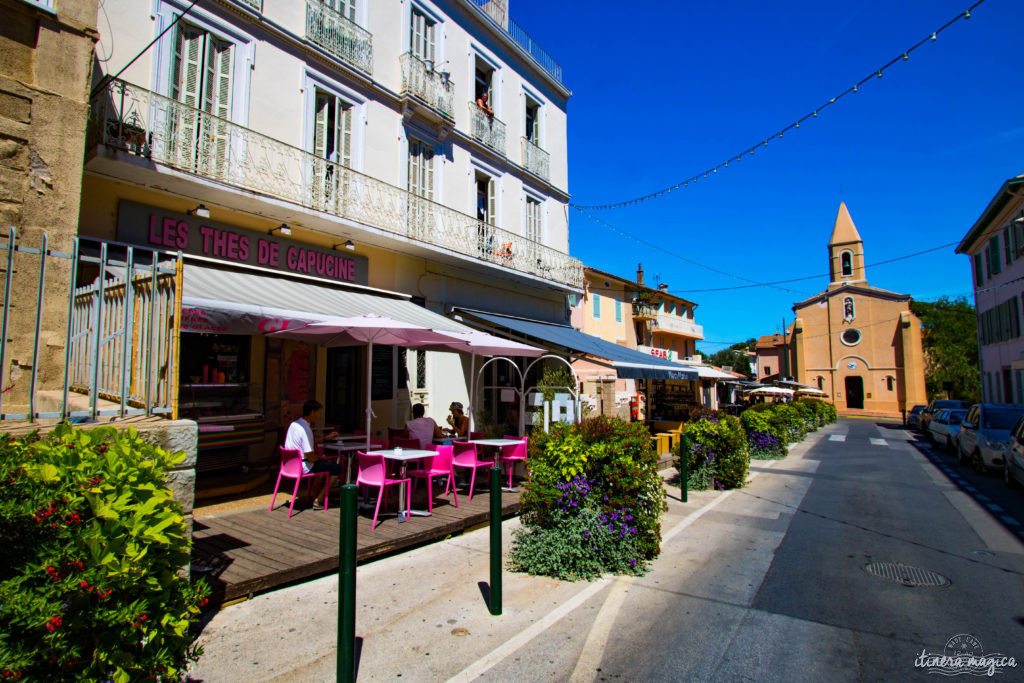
{"x": 995, "y": 508}
{"x": 600, "y": 632}
{"x": 1010, "y": 520}
{"x": 837, "y": 437}
{"x": 879, "y": 442}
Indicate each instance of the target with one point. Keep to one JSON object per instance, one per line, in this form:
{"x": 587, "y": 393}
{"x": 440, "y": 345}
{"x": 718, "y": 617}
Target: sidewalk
{"x": 421, "y": 615}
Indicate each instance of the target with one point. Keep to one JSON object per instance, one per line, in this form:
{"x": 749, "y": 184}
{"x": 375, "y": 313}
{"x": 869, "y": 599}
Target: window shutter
{"x": 979, "y": 274}
{"x": 1006, "y": 246}
{"x": 188, "y": 54}
{"x": 618, "y": 314}
{"x": 346, "y": 135}
{"x": 428, "y": 168}
{"x": 492, "y": 201}
{"x": 414, "y": 167}
{"x": 597, "y": 306}
{"x": 416, "y": 39}
{"x": 320, "y": 125}
{"x": 428, "y": 35}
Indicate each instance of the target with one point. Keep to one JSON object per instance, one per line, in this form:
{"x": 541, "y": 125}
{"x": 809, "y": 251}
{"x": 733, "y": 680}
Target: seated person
{"x": 300, "y": 438}
{"x": 458, "y": 421}
{"x": 482, "y": 103}
{"x": 424, "y": 429}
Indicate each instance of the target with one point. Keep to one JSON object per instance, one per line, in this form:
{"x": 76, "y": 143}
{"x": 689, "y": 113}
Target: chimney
{"x": 639, "y": 273}
{"x": 663, "y": 287}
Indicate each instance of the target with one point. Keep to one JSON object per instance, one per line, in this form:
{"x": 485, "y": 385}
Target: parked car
{"x": 1013, "y": 467}
{"x": 914, "y": 415}
{"x": 944, "y": 428}
{"x": 934, "y": 407}
{"x": 984, "y": 433}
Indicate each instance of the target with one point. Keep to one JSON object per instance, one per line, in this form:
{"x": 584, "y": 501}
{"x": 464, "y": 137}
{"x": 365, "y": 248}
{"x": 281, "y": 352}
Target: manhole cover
{"x": 903, "y": 574}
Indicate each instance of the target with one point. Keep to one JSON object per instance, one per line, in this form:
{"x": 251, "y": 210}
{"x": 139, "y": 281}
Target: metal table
{"x": 403, "y": 456}
{"x": 497, "y": 443}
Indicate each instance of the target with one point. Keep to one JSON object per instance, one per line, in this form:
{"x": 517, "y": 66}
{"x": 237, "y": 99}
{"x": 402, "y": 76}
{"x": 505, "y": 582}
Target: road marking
{"x": 593, "y": 649}
{"x": 960, "y": 481}
{"x": 982, "y": 496}
{"x": 837, "y": 437}
{"x": 995, "y": 508}
{"x": 1010, "y": 520}
{"x": 971, "y": 489}
{"x": 879, "y": 442}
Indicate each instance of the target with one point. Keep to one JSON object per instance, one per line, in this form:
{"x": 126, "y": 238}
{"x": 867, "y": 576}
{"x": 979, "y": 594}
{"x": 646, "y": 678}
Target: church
{"x": 859, "y": 344}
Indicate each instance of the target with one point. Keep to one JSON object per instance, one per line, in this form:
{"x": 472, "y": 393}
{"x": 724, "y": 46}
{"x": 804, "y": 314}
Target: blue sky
{"x": 664, "y": 90}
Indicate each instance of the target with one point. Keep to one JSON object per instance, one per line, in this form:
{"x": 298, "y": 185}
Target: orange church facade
{"x": 860, "y": 344}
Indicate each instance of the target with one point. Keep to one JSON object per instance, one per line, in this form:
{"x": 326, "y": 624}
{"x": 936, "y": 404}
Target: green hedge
{"x": 771, "y": 427}
{"x": 716, "y": 453}
{"x": 93, "y": 541}
{"x": 592, "y": 503}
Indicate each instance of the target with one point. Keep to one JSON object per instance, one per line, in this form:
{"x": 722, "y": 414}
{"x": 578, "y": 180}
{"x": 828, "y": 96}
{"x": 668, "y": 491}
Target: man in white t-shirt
{"x": 422, "y": 428}
{"x": 300, "y": 438}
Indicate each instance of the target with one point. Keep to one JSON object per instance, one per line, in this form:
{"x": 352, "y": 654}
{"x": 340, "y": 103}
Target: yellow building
{"x": 860, "y": 344}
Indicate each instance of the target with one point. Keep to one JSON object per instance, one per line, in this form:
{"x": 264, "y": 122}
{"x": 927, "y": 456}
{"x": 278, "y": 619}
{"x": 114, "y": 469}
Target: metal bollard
{"x": 495, "y": 606}
{"x": 683, "y": 476}
{"x": 347, "y": 584}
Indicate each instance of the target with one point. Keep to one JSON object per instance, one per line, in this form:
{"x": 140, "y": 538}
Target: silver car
{"x": 944, "y": 428}
{"x": 984, "y": 434}
{"x": 1013, "y": 469}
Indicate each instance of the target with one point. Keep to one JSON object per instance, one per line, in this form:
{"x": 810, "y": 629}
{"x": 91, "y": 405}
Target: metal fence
{"x": 123, "y": 327}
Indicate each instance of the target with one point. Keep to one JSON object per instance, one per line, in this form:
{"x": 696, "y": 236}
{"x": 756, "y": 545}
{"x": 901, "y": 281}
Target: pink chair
{"x": 465, "y": 456}
{"x": 437, "y": 466}
{"x": 400, "y": 442}
{"x": 512, "y": 454}
{"x": 372, "y": 473}
{"x": 291, "y": 468}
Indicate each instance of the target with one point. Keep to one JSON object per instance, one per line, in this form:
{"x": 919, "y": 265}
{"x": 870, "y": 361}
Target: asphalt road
{"x": 771, "y": 584}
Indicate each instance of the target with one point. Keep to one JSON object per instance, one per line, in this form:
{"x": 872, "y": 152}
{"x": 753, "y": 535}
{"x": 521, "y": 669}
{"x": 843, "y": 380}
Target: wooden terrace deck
{"x": 255, "y": 550}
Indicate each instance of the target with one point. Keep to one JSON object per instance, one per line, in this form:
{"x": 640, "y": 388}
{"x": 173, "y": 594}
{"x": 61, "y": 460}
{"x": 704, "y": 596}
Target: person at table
{"x": 300, "y": 438}
{"x": 457, "y": 421}
{"x": 422, "y": 428}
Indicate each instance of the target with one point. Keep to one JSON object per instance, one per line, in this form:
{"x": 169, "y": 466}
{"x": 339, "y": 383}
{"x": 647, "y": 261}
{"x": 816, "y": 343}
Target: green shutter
{"x": 618, "y": 311}
{"x": 979, "y": 274}
{"x": 597, "y": 306}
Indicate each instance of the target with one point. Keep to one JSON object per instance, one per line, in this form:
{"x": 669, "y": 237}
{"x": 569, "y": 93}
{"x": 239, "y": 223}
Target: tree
{"x": 735, "y": 356}
{"x": 950, "y": 340}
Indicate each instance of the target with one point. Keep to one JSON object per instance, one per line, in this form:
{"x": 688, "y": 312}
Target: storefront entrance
{"x": 346, "y": 377}
{"x": 855, "y": 392}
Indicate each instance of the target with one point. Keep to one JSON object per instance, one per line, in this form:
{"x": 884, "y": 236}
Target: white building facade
{"x": 342, "y": 143}
{"x": 995, "y": 246}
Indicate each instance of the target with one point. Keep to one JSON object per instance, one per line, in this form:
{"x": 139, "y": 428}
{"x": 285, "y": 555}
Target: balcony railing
{"x": 497, "y": 10}
{"x": 536, "y": 160}
{"x": 487, "y": 129}
{"x": 644, "y": 310}
{"x": 433, "y": 88}
{"x": 672, "y": 324}
{"x": 167, "y": 132}
{"x": 334, "y": 32}
{"x": 255, "y": 4}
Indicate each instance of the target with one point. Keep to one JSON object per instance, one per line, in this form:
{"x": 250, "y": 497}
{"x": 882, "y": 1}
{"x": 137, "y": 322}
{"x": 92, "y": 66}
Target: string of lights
{"x": 813, "y": 114}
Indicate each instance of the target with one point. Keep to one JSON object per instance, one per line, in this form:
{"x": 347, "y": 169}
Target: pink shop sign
{"x": 168, "y": 230}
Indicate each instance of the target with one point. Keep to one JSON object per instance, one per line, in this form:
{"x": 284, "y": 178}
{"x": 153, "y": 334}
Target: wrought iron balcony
{"x": 644, "y": 310}
{"x": 167, "y": 132}
{"x": 497, "y": 10}
{"x": 255, "y": 4}
{"x": 536, "y": 160}
{"x": 338, "y": 35}
{"x": 433, "y": 88}
{"x": 487, "y": 129}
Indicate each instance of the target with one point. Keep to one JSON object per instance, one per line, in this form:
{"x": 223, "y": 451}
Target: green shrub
{"x": 716, "y": 453}
{"x": 600, "y": 468}
{"x": 93, "y": 541}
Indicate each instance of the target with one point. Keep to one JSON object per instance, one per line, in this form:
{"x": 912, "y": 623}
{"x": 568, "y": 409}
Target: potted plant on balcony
{"x": 643, "y": 305}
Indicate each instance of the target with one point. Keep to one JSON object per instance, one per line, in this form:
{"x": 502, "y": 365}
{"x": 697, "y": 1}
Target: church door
{"x": 855, "y": 393}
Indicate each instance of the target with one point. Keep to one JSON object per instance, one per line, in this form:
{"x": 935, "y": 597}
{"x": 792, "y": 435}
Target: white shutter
{"x": 492, "y": 201}
{"x": 345, "y": 134}
{"x": 428, "y": 35}
{"x": 217, "y": 101}
{"x": 186, "y": 86}
{"x": 414, "y": 167}
{"x": 416, "y": 42}
{"x": 321, "y": 169}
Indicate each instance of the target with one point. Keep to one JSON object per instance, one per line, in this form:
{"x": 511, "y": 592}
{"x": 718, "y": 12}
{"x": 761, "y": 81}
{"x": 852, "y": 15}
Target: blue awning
{"x": 628, "y": 363}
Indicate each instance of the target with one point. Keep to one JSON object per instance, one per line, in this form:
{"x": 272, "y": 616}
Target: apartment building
{"x": 305, "y": 155}
{"x": 995, "y": 246}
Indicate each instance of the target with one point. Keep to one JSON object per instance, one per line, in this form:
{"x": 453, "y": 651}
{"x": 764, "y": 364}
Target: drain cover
{"x": 903, "y": 574}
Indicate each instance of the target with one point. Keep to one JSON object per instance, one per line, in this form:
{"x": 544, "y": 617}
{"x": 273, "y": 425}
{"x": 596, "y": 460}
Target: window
{"x": 979, "y": 274}
{"x": 573, "y": 300}
{"x": 850, "y": 337}
{"x": 201, "y": 70}
{"x": 994, "y": 263}
{"x": 848, "y": 310}
{"x": 674, "y": 345}
{"x": 421, "y": 169}
{"x": 618, "y": 311}
{"x": 486, "y": 198}
{"x": 821, "y": 382}
{"x": 1017, "y": 232}
{"x": 846, "y": 260}
{"x": 332, "y": 143}
{"x": 597, "y": 306}
{"x": 483, "y": 81}
{"x": 669, "y": 307}
{"x": 533, "y": 217}
{"x": 1020, "y": 386}
{"x": 346, "y": 8}
{"x": 767, "y": 370}
{"x": 532, "y": 120}
{"x": 421, "y": 39}
{"x": 890, "y": 383}
{"x": 1006, "y": 246}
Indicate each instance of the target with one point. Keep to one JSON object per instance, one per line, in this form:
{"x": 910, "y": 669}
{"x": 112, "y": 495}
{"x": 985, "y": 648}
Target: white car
{"x": 944, "y": 428}
{"x": 984, "y": 434}
{"x": 1013, "y": 457}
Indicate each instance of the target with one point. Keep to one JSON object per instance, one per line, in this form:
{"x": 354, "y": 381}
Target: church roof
{"x": 769, "y": 341}
{"x": 866, "y": 290}
{"x": 844, "y": 230}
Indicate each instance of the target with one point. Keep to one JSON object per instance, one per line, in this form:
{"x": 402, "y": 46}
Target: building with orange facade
{"x": 859, "y": 344}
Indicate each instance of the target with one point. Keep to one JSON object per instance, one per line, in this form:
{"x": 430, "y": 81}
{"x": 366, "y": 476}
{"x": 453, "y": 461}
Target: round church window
{"x": 851, "y": 337}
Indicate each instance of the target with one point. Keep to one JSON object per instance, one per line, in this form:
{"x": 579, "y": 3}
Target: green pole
{"x": 347, "y": 585}
{"x": 495, "y": 605}
{"x": 683, "y": 476}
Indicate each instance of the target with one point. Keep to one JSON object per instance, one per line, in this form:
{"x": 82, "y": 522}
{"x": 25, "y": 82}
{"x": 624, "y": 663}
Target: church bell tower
{"x": 845, "y": 252}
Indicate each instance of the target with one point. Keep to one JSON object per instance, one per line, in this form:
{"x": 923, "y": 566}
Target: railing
{"x": 433, "y": 88}
{"x": 168, "y": 132}
{"x": 255, "y": 4}
{"x": 536, "y": 160}
{"x": 668, "y": 323}
{"x": 535, "y": 50}
{"x": 487, "y": 129}
{"x": 334, "y": 32}
{"x": 120, "y": 344}
{"x": 497, "y": 10}
{"x": 645, "y": 310}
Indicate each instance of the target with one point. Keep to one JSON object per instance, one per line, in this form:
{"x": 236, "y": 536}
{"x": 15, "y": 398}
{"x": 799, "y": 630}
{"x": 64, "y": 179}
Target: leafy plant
{"x": 716, "y": 453}
{"x": 93, "y": 542}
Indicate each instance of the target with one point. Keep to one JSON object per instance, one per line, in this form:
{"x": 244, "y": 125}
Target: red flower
{"x": 53, "y": 623}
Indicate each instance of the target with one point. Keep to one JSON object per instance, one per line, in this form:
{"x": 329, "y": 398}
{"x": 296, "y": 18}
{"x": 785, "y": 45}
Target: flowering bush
{"x": 766, "y": 434}
{"x": 716, "y": 453}
{"x": 593, "y": 486}
{"x": 92, "y": 540}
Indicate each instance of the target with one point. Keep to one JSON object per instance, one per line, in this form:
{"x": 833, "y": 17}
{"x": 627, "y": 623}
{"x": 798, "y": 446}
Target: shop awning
{"x": 234, "y": 302}
{"x": 629, "y": 364}
{"x": 707, "y": 372}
